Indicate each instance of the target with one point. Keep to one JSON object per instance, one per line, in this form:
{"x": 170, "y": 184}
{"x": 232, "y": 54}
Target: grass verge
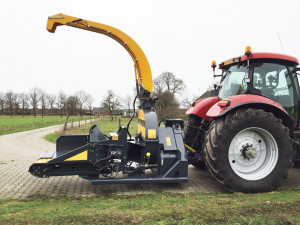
{"x": 9, "y": 125}
{"x": 105, "y": 125}
{"x": 282, "y": 207}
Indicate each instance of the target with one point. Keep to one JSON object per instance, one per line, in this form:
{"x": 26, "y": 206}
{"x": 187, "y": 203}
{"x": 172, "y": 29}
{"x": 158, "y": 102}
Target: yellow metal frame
{"x": 141, "y": 65}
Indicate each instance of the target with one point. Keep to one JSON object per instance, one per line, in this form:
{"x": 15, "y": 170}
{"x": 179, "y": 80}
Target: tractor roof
{"x": 264, "y": 55}
{"x": 267, "y": 55}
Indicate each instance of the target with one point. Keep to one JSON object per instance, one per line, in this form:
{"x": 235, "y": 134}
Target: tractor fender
{"x": 252, "y": 101}
{"x": 200, "y": 107}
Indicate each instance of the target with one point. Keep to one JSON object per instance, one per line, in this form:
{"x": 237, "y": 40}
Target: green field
{"x": 281, "y": 207}
{"x": 105, "y": 125}
{"x": 15, "y": 124}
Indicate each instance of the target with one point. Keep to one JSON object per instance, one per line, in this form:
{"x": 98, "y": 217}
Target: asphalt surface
{"x": 19, "y": 150}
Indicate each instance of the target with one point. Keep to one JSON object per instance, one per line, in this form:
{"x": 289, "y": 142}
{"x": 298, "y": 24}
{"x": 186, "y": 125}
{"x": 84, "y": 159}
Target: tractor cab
{"x": 266, "y": 74}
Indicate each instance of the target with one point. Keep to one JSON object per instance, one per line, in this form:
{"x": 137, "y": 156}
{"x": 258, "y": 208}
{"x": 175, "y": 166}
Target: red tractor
{"x": 248, "y": 136}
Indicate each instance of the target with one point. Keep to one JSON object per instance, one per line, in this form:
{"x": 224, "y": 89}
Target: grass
{"x": 282, "y": 207}
{"x": 105, "y": 125}
{"x": 9, "y": 125}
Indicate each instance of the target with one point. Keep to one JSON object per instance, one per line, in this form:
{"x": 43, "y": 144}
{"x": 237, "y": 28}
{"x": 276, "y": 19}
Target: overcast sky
{"x": 182, "y": 37}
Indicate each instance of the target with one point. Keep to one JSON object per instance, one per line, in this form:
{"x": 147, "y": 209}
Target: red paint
{"x": 237, "y": 100}
{"x": 266, "y": 55}
{"x": 202, "y": 106}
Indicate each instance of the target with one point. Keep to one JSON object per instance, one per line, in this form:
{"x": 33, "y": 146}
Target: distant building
{"x": 97, "y": 111}
{"x": 127, "y": 113}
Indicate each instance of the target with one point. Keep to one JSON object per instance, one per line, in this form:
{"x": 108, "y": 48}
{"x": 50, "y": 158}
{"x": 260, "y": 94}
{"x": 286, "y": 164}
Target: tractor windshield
{"x": 232, "y": 82}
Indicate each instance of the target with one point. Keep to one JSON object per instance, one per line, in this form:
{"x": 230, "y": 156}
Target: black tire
{"x": 199, "y": 165}
{"x": 190, "y": 134}
{"x": 217, "y": 146}
{"x": 296, "y": 164}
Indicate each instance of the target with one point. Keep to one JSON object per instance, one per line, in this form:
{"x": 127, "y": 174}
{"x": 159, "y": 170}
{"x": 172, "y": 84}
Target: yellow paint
{"x": 141, "y": 124}
{"x": 141, "y": 115}
{"x": 141, "y": 64}
{"x": 189, "y": 148}
{"x": 227, "y": 62}
{"x": 151, "y": 133}
{"x": 43, "y": 160}
{"x": 168, "y": 139}
{"x": 79, "y": 157}
{"x": 142, "y": 130}
{"x": 115, "y": 138}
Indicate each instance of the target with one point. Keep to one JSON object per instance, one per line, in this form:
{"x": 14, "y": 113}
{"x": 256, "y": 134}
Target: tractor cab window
{"x": 279, "y": 83}
{"x": 232, "y": 82}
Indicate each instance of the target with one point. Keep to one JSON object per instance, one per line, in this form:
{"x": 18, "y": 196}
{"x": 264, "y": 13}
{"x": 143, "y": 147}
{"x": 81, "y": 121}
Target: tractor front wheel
{"x": 249, "y": 150}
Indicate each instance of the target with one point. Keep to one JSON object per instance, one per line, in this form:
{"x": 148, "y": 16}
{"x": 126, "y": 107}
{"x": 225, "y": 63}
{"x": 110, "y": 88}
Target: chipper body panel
{"x": 158, "y": 157}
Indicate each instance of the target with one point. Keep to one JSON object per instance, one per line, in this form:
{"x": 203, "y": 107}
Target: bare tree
{"x": 61, "y": 103}
{"x": 24, "y": 102}
{"x": 166, "y": 86}
{"x": 43, "y": 98}
{"x": 188, "y": 101}
{"x": 17, "y": 102}
{"x": 81, "y": 97}
{"x": 34, "y": 98}
{"x": 71, "y": 108}
{"x": 127, "y": 101}
{"x": 10, "y": 99}
{"x": 90, "y": 101}
{"x": 111, "y": 102}
{"x": 51, "y": 100}
{"x": 168, "y": 81}
{"x": 2, "y": 102}
{"x": 167, "y": 106}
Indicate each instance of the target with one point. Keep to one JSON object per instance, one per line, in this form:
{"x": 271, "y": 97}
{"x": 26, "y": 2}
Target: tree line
{"x": 38, "y": 102}
{"x": 167, "y": 87}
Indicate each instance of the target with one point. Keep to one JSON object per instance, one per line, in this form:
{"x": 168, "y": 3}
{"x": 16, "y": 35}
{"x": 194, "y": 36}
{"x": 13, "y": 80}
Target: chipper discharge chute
{"x": 100, "y": 158}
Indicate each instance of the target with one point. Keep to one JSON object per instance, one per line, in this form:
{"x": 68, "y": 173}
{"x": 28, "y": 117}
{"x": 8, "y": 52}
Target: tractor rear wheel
{"x": 249, "y": 150}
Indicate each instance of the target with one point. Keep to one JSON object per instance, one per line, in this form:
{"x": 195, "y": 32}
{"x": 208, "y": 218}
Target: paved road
{"x": 19, "y": 150}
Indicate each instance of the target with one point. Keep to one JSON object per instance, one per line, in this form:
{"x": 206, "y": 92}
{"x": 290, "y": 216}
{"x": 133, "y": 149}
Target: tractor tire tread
{"x": 216, "y": 154}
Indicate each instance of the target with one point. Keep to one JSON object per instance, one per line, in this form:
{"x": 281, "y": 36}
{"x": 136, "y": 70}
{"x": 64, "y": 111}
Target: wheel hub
{"x": 248, "y": 151}
{"x": 253, "y": 153}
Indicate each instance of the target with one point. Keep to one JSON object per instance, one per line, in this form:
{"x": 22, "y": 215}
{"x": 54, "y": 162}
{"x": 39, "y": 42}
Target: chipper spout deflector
{"x": 141, "y": 64}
